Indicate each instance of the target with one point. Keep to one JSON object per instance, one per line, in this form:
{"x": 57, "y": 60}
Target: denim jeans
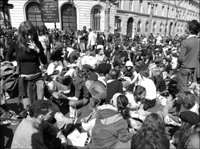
{"x": 183, "y": 77}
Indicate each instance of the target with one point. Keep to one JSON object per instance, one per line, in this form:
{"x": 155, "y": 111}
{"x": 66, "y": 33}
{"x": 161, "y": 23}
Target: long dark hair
{"x": 138, "y": 91}
{"x": 42, "y": 30}
{"x": 151, "y": 134}
{"x": 26, "y": 28}
{"x": 186, "y": 131}
{"x": 122, "y": 106}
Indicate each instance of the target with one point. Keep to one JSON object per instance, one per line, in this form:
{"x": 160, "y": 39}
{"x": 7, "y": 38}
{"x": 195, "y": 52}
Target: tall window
{"x": 146, "y": 26}
{"x": 181, "y": 29}
{"x": 180, "y": 13}
{"x": 69, "y": 17}
{"x": 118, "y": 22}
{"x": 172, "y": 13}
{"x": 139, "y": 27}
{"x": 156, "y": 9}
{"x": 131, "y": 5}
{"x": 141, "y": 5}
{"x": 96, "y": 19}
{"x": 183, "y": 15}
{"x": 154, "y": 27}
{"x": 33, "y": 13}
{"x": 170, "y": 28}
{"x": 178, "y": 28}
{"x": 121, "y": 4}
{"x": 161, "y": 25}
{"x": 130, "y": 26}
{"x": 149, "y": 8}
{"x": 163, "y": 11}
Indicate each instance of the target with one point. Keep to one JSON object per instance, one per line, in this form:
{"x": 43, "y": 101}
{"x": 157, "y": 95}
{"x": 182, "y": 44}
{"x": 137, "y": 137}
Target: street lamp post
{"x": 73, "y": 23}
{"x": 107, "y": 25}
{"x": 107, "y": 16}
{"x": 166, "y": 21}
{"x": 151, "y": 16}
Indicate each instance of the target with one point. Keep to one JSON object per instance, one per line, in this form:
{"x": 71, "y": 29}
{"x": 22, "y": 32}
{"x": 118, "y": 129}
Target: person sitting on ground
{"x": 111, "y": 128}
{"x": 97, "y": 91}
{"x": 157, "y": 78}
{"x": 187, "y": 102}
{"x": 151, "y": 134}
{"x": 71, "y": 55}
{"x": 189, "y": 131}
{"x": 113, "y": 85}
{"x": 104, "y": 68}
{"x": 29, "y": 133}
{"x": 149, "y": 85}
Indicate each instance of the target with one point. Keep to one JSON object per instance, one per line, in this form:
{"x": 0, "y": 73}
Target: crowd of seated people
{"x": 142, "y": 93}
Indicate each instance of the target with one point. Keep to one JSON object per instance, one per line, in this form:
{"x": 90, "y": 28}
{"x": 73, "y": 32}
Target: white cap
{"x": 72, "y": 65}
{"x": 129, "y": 63}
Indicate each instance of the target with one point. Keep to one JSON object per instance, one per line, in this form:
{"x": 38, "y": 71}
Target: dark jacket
{"x": 189, "y": 54}
{"x": 110, "y": 129}
{"x": 113, "y": 87}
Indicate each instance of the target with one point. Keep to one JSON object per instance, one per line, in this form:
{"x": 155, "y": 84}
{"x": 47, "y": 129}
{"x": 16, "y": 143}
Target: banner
{"x": 49, "y": 10}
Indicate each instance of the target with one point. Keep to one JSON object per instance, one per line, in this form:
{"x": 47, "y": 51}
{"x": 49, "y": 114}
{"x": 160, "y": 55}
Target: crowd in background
{"x": 118, "y": 77}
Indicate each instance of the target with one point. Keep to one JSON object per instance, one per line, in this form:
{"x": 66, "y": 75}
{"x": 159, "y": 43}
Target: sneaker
{"x": 14, "y": 115}
{"x": 15, "y": 121}
{"x": 5, "y": 122}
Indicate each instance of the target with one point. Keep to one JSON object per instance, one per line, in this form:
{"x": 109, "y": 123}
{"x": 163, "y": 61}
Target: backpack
{"x": 10, "y": 85}
{"x": 6, "y": 69}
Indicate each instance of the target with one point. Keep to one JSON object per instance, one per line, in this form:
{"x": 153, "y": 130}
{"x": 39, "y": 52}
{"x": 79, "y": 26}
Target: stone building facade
{"x": 169, "y": 16}
{"x": 129, "y": 17}
{"x": 73, "y": 14}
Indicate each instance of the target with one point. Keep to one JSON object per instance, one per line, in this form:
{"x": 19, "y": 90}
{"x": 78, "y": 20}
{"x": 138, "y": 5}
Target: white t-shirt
{"x": 131, "y": 101}
{"x": 90, "y": 60}
{"x": 174, "y": 62}
{"x": 43, "y": 40}
{"x": 150, "y": 87}
{"x": 71, "y": 72}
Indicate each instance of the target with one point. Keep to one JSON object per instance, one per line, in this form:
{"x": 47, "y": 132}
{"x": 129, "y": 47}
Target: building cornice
{"x": 137, "y": 14}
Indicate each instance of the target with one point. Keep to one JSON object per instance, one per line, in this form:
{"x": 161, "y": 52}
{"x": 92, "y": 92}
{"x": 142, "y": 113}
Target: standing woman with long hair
{"x": 151, "y": 135}
{"x": 29, "y": 54}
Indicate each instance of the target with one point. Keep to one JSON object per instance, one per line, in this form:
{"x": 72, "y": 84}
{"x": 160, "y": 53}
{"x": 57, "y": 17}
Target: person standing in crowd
{"x": 29, "y": 55}
{"x": 100, "y": 42}
{"x": 92, "y": 37}
{"x": 189, "y": 57}
{"x": 113, "y": 85}
{"x": 83, "y": 38}
{"x": 44, "y": 39}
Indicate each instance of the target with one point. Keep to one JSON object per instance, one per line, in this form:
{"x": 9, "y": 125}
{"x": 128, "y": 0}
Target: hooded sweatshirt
{"x": 110, "y": 130}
